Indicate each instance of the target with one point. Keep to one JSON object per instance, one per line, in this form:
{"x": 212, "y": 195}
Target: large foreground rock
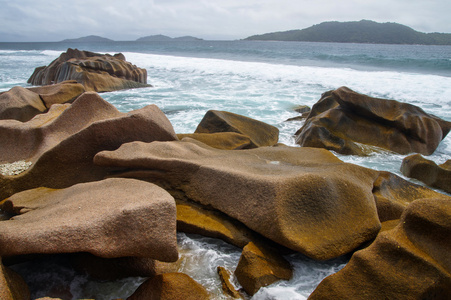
{"x": 260, "y": 134}
{"x": 96, "y": 72}
{"x": 62, "y": 142}
{"x": 427, "y": 171}
{"x": 22, "y": 104}
{"x": 411, "y": 261}
{"x": 303, "y": 198}
{"x": 109, "y": 218}
{"x": 351, "y": 123}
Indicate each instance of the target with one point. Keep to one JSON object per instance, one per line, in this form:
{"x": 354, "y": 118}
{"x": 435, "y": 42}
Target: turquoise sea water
{"x": 265, "y": 81}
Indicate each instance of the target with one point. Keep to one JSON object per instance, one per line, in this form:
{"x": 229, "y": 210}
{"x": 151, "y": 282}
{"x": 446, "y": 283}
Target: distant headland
{"x": 363, "y": 31}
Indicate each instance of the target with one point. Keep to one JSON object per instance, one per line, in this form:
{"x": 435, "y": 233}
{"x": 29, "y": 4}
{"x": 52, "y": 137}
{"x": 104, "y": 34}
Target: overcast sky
{"x": 55, "y": 20}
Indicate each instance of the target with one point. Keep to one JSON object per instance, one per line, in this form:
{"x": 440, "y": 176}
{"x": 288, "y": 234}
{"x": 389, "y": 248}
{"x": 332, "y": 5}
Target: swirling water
{"x": 265, "y": 81}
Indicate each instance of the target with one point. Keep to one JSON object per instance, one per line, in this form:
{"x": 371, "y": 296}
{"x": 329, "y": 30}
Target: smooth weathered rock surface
{"x": 59, "y": 93}
{"x": 221, "y": 140}
{"x": 22, "y": 104}
{"x": 427, "y": 171}
{"x": 12, "y": 285}
{"x": 260, "y": 266}
{"x": 393, "y": 194}
{"x": 261, "y": 134}
{"x": 411, "y": 261}
{"x": 303, "y": 198}
{"x": 351, "y": 123}
{"x": 109, "y": 218}
{"x": 170, "y": 286}
{"x": 95, "y": 71}
{"x": 62, "y": 142}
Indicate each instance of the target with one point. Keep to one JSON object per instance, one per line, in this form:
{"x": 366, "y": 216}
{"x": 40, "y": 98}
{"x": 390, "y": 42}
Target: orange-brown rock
{"x": 170, "y": 286}
{"x": 96, "y": 72}
{"x": 62, "y": 142}
{"x": 193, "y": 218}
{"x": 221, "y": 140}
{"x": 12, "y": 285}
{"x": 227, "y": 287}
{"x": 260, "y": 134}
{"x": 109, "y": 218}
{"x": 411, "y": 261}
{"x": 351, "y": 123}
{"x": 393, "y": 194}
{"x": 427, "y": 171}
{"x": 260, "y": 266}
{"x": 303, "y": 198}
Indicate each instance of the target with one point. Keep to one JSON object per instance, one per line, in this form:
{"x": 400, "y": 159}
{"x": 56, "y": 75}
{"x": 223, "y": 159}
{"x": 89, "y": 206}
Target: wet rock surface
{"x": 351, "y": 123}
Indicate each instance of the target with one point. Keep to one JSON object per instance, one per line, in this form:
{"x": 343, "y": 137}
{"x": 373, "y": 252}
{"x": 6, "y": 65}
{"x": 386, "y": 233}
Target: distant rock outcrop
{"x": 351, "y": 123}
{"x": 96, "y": 72}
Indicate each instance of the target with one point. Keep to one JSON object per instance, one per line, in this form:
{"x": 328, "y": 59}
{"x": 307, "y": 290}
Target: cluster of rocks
{"x": 111, "y": 189}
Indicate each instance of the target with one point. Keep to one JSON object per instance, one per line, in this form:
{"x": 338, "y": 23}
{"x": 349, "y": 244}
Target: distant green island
{"x": 87, "y": 39}
{"x": 150, "y": 38}
{"x": 363, "y": 31}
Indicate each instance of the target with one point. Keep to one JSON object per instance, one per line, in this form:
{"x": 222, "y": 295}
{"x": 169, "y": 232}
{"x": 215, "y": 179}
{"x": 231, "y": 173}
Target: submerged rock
{"x": 96, "y": 72}
{"x": 351, "y": 123}
{"x": 260, "y": 134}
{"x": 109, "y": 218}
{"x": 62, "y": 142}
{"x": 427, "y": 171}
{"x": 411, "y": 261}
{"x": 170, "y": 286}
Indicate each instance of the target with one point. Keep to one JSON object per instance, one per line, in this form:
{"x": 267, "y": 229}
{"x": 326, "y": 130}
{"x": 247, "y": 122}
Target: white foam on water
{"x": 185, "y": 88}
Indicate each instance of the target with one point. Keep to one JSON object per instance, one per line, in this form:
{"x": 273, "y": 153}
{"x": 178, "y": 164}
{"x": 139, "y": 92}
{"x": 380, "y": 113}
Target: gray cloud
{"x": 53, "y": 20}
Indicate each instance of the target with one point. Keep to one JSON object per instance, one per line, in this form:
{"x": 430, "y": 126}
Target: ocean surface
{"x": 261, "y": 80}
